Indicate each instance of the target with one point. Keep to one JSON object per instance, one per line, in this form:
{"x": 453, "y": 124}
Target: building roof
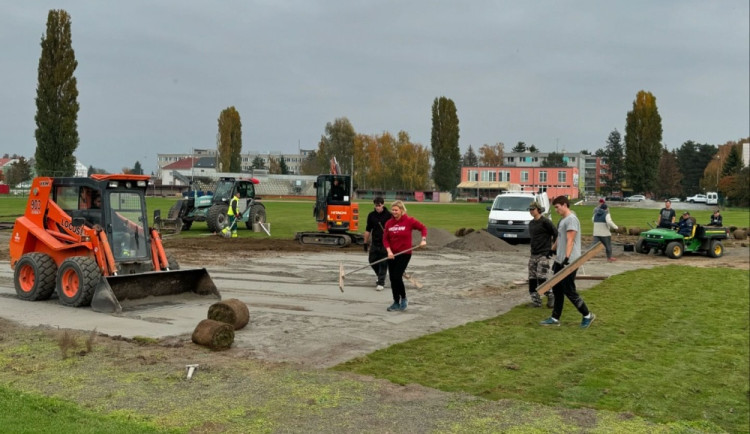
{"x": 185, "y": 163}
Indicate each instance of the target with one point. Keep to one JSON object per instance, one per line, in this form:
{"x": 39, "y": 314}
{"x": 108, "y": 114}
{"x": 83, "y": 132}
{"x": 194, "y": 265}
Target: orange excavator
{"x": 336, "y": 214}
{"x": 88, "y": 240}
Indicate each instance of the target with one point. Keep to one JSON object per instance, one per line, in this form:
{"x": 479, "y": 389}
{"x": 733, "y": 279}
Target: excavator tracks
{"x": 326, "y": 239}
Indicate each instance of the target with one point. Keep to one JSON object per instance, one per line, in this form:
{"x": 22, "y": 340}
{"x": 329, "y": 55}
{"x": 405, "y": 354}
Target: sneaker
{"x": 536, "y": 300}
{"x": 379, "y": 288}
{"x": 611, "y": 259}
{"x": 394, "y": 306}
{"x": 550, "y": 322}
{"x": 586, "y": 322}
{"x": 404, "y": 303}
{"x": 550, "y": 299}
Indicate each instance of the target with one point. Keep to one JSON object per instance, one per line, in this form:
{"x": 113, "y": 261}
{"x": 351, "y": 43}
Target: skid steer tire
{"x": 217, "y": 217}
{"x": 34, "y": 277}
{"x": 257, "y": 215}
{"x": 76, "y": 281}
{"x": 186, "y": 225}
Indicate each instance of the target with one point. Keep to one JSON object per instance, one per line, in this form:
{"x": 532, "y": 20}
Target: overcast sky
{"x": 153, "y": 76}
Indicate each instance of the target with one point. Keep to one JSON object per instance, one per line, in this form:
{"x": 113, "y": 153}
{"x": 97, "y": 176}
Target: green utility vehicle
{"x": 704, "y": 239}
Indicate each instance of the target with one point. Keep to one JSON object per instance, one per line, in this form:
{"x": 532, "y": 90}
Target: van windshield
{"x": 511, "y": 203}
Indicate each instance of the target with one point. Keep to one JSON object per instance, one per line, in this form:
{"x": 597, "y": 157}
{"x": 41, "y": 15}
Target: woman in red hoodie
{"x": 396, "y": 239}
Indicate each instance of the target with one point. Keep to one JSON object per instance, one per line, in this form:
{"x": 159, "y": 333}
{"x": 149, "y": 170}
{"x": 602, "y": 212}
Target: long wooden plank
{"x": 562, "y": 274}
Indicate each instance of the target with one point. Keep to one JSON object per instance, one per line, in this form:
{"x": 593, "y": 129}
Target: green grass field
{"x": 289, "y": 217}
{"x": 669, "y": 344}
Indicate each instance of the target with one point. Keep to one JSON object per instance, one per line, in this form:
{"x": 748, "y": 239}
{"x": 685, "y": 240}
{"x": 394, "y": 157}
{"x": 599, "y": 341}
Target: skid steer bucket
{"x": 111, "y": 290}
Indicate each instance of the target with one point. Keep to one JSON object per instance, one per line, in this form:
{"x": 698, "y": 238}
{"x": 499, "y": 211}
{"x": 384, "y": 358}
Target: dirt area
{"x": 299, "y": 315}
{"x": 300, "y": 322}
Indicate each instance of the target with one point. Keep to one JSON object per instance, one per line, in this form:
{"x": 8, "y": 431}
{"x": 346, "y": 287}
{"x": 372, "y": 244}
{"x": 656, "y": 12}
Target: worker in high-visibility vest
{"x": 232, "y": 214}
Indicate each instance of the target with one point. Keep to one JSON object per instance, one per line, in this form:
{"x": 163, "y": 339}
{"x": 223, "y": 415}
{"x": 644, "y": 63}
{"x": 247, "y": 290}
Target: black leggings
{"x": 566, "y": 288}
{"x": 396, "y": 268}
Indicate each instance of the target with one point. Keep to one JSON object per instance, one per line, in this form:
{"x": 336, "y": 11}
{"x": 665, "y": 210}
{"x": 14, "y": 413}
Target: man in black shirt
{"x": 374, "y": 240}
{"x": 666, "y": 215}
{"x": 543, "y": 234}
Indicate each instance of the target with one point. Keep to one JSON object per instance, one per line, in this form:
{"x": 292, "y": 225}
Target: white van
{"x": 712, "y": 198}
{"x": 509, "y": 215}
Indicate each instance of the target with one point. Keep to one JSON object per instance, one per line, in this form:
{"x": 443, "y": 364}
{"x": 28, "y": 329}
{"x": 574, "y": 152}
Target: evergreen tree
{"x": 470, "y": 158}
{"x": 137, "y": 169}
{"x": 230, "y": 140}
{"x": 643, "y": 146}
{"x": 520, "y": 147}
{"x": 614, "y": 159}
{"x": 554, "y": 159}
{"x": 734, "y": 164}
{"x": 693, "y": 159}
{"x": 56, "y": 100}
{"x": 444, "y": 142}
{"x": 282, "y": 166}
{"x": 533, "y": 149}
{"x": 258, "y": 163}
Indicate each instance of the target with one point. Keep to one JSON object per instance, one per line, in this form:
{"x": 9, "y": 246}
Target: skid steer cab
{"x": 88, "y": 241}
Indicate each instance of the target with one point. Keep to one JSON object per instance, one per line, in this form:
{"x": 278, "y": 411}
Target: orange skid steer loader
{"x": 88, "y": 240}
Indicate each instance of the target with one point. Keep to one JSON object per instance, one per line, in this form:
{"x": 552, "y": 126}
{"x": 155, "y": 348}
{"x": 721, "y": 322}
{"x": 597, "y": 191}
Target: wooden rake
{"x": 343, "y": 274}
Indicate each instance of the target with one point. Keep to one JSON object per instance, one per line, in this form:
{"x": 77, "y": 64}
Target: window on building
{"x": 542, "y": 176}
{"x": 472, "y": 175}
{"x": 562, "y": 176}
{"x": 489, "y": 175}
{"x": 524, "y": 176}
{"x": 511, "y": 159}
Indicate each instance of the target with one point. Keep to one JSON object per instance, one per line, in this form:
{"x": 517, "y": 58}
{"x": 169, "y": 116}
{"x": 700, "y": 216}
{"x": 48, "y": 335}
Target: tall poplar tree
{"x": 444, "y": 141}
{"x": 56, "y": 100}
{"x": 643, "y": 143}
{"x": 230, "y": 140}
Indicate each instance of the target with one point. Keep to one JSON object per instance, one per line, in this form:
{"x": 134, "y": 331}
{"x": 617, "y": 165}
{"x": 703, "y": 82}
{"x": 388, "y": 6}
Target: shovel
{"x": 342, "y": 274}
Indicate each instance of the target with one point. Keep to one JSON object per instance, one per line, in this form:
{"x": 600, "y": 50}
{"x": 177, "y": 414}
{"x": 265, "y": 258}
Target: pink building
{"x": 487, "y": 182}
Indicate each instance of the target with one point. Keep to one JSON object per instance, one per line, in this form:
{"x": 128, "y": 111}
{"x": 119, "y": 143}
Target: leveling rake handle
{"x": 341, "y": 266}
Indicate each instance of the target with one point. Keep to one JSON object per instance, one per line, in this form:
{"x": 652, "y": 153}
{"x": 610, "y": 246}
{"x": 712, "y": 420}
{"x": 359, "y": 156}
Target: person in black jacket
{"x": 543, "y": 234}
{"x": 716, "y": 219}
{"x": 374, "y": 240}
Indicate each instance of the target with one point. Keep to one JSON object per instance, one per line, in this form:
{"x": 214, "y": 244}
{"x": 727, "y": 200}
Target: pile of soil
{"x": 436, "y": 238}
{"x": 483, "y": 241}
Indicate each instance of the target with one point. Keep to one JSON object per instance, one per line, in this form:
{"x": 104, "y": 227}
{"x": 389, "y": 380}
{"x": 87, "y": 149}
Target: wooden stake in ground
{"x": 573, "y": 266}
